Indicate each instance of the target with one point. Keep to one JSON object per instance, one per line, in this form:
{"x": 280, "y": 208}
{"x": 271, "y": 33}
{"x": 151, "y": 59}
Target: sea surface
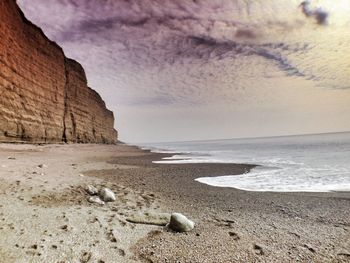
{"x": 305, "y": 163}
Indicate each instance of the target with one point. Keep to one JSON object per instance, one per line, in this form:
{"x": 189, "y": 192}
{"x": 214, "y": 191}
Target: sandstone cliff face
{"x": 44, "y": 96}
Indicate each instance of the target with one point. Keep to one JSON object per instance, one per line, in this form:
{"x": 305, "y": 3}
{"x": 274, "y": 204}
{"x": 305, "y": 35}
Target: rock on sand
{"x": 95, "y": 200}
{"x": 91, "y": 190}
{"x": 180, "y": 223}
{"x": 107, "y": 195}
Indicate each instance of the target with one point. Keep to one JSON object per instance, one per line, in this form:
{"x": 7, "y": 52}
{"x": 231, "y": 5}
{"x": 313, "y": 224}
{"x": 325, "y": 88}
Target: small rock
{"x": 95, "y": 200}
{"x": 85, "y": 257}
{"x": 11, "y": 158}
{"x": 35, "y": 246}
{"x": 42, "y": 165}
{"x": 107, "y": 195}
{"x": 180, "y": 223}
{"x": 64, "y": 227}
{"x": 91, "y": 190}
{"x": 81, "y": 175}
{"x": 258, "y": 249}
{"x": 112, "y": 237}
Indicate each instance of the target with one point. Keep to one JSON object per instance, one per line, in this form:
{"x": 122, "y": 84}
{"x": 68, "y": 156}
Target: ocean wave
{"x": 318, "y": 163}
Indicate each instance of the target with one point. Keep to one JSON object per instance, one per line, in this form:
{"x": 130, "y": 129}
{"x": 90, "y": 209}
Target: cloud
{"x": 318, "y": 14}
{"x": 117, "y": 38}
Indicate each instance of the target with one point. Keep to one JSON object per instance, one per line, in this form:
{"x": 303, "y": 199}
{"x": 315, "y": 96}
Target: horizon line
{"x": 243, "y": 138}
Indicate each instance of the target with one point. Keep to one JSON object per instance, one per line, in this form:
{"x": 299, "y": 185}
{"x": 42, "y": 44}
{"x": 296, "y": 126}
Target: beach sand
{"x": 45, "y": 215}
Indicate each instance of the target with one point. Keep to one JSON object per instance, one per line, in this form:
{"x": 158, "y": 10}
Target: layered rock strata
{"x": 44, "y": 96}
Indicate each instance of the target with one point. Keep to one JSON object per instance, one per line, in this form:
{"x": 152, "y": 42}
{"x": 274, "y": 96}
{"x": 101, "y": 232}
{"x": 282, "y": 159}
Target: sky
{"x": 178, "y": 70}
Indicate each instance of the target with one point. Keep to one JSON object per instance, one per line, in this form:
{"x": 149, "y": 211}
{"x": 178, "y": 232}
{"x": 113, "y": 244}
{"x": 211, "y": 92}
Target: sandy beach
{"x": 45, "y": 215}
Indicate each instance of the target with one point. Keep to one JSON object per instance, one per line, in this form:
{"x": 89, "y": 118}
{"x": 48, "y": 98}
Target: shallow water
{"x": 308, "y": 163}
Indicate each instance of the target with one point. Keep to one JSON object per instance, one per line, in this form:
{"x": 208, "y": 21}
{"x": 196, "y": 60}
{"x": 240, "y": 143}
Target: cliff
{"x": 44, "y": 96}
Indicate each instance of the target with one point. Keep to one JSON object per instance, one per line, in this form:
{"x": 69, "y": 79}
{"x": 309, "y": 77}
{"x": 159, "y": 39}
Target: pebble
{"x": 86, "y": 256}
{"x": 91, "y": 190}
{"x": 258, "y": 249}
{"x": 107, "y": 195}
{"x": 180, "y": 223}
{"x": 64, "y": 227}
{"x": 95, "y": 200}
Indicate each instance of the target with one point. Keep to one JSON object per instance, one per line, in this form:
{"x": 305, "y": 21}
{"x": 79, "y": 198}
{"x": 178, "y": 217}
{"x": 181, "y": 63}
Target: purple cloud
{"x": 318, "y": 14}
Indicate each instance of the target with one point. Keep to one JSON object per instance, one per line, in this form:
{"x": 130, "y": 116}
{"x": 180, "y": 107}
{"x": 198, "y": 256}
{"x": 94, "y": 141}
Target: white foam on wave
{"x": 186, "y": 160}
{"x": 190, "y": 157}
{"x": 276, "y": 180}
{"x": 277, "y": 176}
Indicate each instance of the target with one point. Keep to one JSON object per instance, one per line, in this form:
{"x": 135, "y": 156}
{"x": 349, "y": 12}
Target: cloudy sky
{"x": 205, "y": 69}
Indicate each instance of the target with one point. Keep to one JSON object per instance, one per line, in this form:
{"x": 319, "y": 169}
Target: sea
{"x": 302, "y": 163}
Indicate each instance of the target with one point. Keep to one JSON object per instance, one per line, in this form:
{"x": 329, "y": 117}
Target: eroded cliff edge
{"x": 44, "y": 96}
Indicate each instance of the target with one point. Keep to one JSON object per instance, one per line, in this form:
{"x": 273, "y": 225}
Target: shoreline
{"x": 168, "y": 159}
{"x": 231, "y": 225}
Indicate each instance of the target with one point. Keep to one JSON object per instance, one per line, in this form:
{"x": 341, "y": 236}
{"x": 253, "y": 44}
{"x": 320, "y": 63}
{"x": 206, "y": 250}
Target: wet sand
{"x": 45, "y": 216}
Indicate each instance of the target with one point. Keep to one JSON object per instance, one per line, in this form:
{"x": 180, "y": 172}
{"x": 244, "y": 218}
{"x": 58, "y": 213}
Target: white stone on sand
{"x": 107, "y": 195}
{"x": 95, "y": 200}
{"x": 91, "y": 190}
{"x": 180, "y": 223}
